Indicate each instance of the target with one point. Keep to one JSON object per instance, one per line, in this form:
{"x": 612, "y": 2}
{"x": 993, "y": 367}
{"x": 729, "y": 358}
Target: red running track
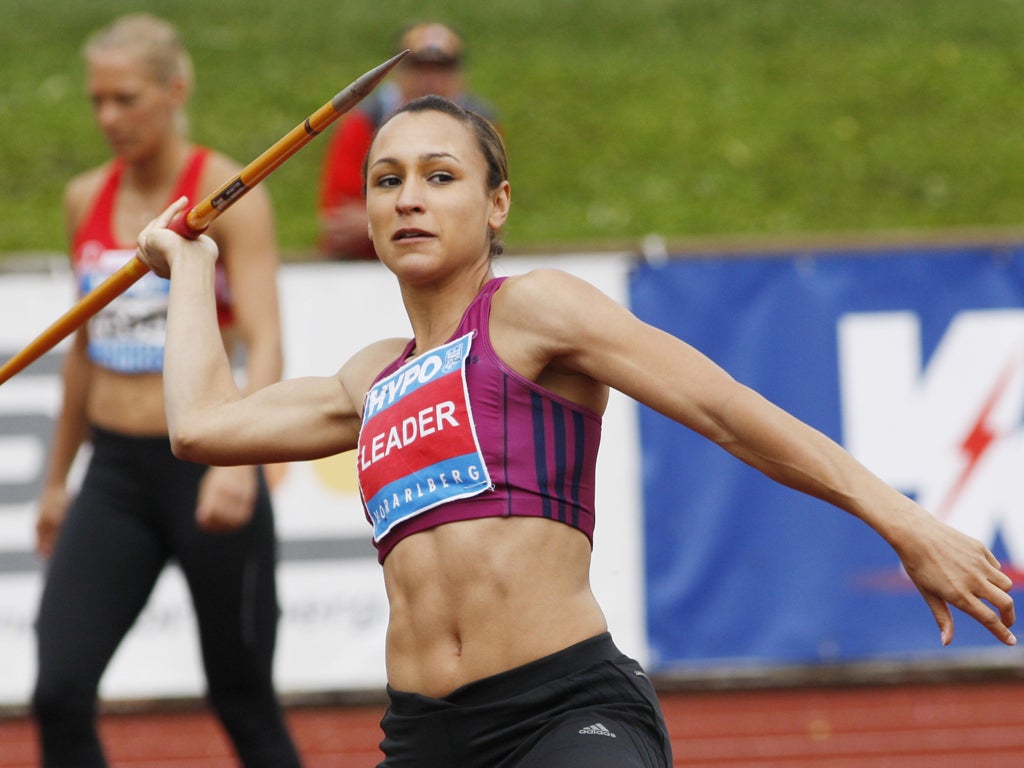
{"x": 910, "y": 726}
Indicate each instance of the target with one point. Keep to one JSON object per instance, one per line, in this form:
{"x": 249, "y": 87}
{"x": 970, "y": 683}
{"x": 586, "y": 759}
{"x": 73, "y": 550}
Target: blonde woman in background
{"x": 139, "y": 507}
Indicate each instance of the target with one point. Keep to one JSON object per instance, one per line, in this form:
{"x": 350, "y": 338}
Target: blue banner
{"x": 914, "y": 361}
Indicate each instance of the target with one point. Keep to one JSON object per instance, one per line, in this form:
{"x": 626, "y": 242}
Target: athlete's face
{"x": 134, "y": 110}
{"x": 426, "y": 196}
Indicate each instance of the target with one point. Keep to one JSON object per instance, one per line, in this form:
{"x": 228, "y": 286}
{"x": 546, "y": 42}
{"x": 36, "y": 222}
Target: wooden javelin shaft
{"x": 195, "y": 220}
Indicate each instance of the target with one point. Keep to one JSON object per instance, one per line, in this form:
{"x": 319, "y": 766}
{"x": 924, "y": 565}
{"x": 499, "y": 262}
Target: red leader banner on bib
{"x": 418, "y": 446}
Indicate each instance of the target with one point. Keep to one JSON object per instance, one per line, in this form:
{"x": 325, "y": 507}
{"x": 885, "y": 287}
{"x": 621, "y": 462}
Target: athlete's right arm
{"x": 68, "y": 434}
{"x": 208, "y": 418}
{"x": 70, "y": 428}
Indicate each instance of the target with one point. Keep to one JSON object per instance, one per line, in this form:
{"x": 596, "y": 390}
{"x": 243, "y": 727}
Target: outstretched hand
{"x": 951, "y": 568}
{"x": 158, "y": 246}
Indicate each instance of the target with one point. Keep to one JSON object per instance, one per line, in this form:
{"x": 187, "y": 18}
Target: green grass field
{"x": 687, "y": 118}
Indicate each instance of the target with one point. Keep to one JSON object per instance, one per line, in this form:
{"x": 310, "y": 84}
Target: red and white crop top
{"x": 128, "y": 334}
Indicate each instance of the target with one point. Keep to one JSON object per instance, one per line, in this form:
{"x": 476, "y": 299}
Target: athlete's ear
{"x": 501, "y": 199}
{"x": 180, "y": 89}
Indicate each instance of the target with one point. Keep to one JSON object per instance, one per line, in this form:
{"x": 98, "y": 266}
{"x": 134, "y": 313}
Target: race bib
{"x": 128, "y": 334}
{"x": 418, "y": 446}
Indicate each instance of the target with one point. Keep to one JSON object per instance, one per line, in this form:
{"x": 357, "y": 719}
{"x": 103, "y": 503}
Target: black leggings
{"x": 134, "y": 513}
{"x": 588, "y": 705}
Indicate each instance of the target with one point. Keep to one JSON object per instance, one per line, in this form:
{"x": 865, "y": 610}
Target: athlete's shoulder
{"x": 545, "y": 288}
{"x": 384, "y": 349}
{"x": 554, "y": 313}
{"x": 367, "y": 363}
{"x": 81, "y": 190}
{"x": 83, "y": 186}
{"x": 541, "y": 279}
{"x": 251, "y": 218}
{"x": 217, "y": 169}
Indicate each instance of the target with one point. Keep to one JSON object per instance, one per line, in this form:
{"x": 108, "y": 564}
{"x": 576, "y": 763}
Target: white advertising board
{"x": 334, "y": 613}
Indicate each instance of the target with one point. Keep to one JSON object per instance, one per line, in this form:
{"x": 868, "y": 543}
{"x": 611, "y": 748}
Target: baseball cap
{"x": 431, "y": 43}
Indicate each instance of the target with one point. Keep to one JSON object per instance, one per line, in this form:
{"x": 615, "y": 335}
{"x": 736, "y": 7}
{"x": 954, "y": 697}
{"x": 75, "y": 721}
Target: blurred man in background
{"x": 434, "y": 65}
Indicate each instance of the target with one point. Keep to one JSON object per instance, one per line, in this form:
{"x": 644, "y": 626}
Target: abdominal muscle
{"x": 128, "y": 403}
{"x": 474, "y": 598}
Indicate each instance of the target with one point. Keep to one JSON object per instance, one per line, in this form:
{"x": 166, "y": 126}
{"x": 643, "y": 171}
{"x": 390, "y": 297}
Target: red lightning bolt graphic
{"x": 979, "y": 438}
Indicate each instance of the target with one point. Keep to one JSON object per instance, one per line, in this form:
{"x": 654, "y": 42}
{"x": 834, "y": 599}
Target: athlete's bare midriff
{"x": 474, "y": 598}
{"x": 127, "y": 403}
{"x": 130, "y": 404}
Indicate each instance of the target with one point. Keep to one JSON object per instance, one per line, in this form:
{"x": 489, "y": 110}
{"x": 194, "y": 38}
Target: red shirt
{"x": 341, "y": 180}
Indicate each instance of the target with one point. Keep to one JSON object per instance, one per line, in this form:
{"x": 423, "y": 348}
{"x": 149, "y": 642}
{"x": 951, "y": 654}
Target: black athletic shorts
{"x": 588, "y": 705}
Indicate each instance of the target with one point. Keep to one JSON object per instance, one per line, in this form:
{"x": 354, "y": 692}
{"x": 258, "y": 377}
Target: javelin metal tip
{"x": 362, "y": 86}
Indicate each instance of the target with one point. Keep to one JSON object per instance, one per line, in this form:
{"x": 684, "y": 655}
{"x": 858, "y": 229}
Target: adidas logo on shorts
{"x": 596, "y": 730}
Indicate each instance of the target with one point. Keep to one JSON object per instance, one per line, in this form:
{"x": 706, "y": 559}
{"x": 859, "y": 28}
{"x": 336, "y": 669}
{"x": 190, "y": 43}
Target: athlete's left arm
{"x": 575, "y": 326}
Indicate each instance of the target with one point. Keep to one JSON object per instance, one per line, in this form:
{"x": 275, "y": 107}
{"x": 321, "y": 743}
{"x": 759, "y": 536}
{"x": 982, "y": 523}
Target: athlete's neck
{"x": 158, "y": 171}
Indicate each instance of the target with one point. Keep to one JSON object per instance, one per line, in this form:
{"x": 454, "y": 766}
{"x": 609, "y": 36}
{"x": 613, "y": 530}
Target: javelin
{"x": 195, "y": 220}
